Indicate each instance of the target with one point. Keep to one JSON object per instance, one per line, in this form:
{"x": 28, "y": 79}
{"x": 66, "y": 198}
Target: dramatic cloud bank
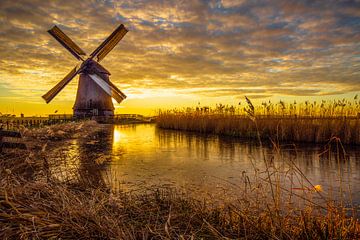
{"x": 196, "y": 48}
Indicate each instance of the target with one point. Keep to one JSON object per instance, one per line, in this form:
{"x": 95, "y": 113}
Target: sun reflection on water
{"x": 119, "y": 138}
{"x": 143, "y": 156}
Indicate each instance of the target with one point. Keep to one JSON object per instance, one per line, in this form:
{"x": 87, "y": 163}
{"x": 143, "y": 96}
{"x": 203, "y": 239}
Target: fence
{"x": 12, "y": 123}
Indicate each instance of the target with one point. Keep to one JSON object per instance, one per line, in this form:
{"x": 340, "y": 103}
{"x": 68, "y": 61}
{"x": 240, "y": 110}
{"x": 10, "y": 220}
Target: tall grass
{"x": 36, "y": 205}
{"x": 303, "y": 122}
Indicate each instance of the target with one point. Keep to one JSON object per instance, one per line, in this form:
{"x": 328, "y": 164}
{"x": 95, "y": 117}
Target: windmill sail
{"x": 109, "y": 43}
{"x": 108, "y": 87}
{"x": 95, "y": 91}
{"x": 58, "y": 87}
{"x": 118, "y": 91}
{"x": 64, "y": 40}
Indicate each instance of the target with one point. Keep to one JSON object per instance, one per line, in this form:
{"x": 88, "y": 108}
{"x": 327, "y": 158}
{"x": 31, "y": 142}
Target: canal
{"x": 138, "y": 157}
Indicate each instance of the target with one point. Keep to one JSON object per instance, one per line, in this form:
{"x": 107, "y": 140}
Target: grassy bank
{"x": 280, "y": 122}
{"x": 43, "y": 208}
{"x": 36, "y": 205}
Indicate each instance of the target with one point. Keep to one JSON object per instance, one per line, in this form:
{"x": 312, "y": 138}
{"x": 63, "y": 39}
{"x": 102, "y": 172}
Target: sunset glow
{"x": 182, "y": 53}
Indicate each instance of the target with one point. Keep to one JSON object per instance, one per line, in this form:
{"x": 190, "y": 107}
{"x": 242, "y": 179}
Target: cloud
{"x": 209, "y": 48}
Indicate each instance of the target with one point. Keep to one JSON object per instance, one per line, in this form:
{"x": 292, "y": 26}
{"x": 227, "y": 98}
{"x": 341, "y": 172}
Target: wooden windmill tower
{"x": 95, "y": 90}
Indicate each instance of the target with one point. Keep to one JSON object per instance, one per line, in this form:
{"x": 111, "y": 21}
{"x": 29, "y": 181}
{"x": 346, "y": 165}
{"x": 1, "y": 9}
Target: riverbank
{"x": 36, "y": 204}
{"x": 291, "y": 129}
{"x": 11, "y": 122}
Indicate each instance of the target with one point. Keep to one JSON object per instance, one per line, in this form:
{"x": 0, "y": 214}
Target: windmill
{"x": 95, "y": 90}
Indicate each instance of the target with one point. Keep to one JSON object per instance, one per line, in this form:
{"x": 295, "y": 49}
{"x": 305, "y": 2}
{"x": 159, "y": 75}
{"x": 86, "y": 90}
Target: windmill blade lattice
{"x": 109, "y": 88}
{"x": 109, "y": 43}
{"x": 58, "y": 87}
{"x": 64, "y": 40}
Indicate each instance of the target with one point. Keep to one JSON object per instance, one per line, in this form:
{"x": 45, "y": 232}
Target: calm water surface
{"x": 141, "y": 156}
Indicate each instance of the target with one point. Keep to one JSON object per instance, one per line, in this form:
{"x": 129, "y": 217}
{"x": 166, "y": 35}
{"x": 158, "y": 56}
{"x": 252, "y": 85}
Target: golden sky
{"x": 180, "y": 53}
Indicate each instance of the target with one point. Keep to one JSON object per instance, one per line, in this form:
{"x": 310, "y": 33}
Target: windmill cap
{"x": 91, "y": 65}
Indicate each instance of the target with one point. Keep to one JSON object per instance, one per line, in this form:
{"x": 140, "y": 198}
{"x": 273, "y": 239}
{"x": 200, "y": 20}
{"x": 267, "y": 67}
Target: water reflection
{"x": 92, "y": 169}
{"x": 82, "y": 160}
{"x": 151, "y": 156}
{"x": 142, "y": 156}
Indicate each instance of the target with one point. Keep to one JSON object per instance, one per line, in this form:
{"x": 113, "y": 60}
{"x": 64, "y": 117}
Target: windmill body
{"x": 91, "y": 99}
{"x": 95, "y": 90}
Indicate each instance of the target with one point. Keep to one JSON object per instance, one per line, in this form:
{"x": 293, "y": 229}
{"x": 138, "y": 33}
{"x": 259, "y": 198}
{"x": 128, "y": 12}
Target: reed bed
{"x": 34, "y": 204}
{"x": 281, "y": 122}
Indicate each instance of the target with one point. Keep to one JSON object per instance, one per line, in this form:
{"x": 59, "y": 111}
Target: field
{"x": 36, "y": 205}
{"x": 281, "y": 122}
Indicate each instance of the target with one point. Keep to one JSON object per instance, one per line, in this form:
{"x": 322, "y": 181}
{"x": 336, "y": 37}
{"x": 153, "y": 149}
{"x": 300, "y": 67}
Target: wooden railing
{"x": 12, "y": 123}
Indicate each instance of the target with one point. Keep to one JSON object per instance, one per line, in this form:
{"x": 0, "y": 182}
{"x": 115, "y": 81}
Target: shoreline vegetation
{"x": 36, "y": 205}
{"x": 308, "y": 122}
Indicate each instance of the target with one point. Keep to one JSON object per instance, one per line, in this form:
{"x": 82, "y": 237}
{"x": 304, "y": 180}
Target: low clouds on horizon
{"x": 207, "y": 48}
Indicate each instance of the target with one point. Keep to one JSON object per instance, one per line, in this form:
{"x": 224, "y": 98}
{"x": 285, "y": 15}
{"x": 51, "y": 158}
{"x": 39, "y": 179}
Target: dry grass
{"x": 35, "y": 205}
{"x": 59, "y": 131}
{"x": 49, "y": 209}
{"x": 280, "y": 122}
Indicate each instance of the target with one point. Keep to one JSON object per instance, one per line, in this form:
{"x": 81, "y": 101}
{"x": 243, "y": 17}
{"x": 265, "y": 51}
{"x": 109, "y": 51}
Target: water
{"x": 138, "y": 157}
